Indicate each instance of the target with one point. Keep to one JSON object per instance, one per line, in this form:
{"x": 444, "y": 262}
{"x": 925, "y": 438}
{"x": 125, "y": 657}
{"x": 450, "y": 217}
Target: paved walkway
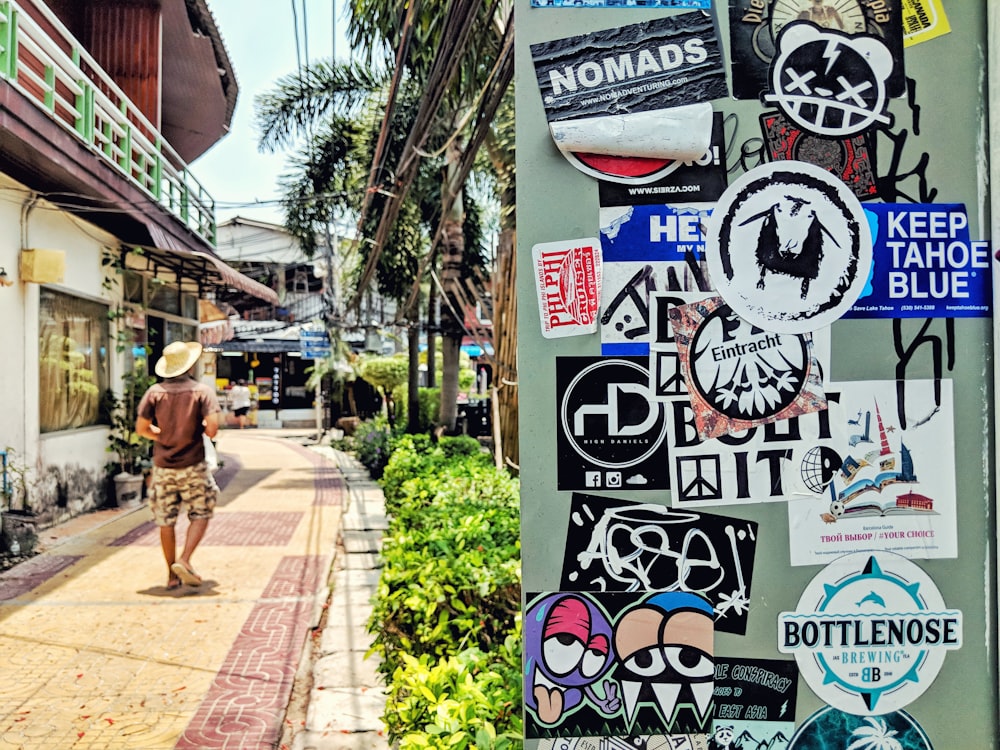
{"x": 97, "y": 653}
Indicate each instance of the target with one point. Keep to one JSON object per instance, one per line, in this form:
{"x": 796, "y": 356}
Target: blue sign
{"x": 653, "y": 232}
{"x": 924, "y": 265}
{"x": 314, "y": 344}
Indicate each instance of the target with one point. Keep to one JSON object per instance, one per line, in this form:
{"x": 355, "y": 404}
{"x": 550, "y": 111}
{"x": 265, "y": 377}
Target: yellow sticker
{"x": 923, "y": 20}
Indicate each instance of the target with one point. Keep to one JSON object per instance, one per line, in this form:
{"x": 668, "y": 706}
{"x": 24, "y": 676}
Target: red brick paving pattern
{"x": 246, "y": 702}
{"x": 328, "y": 481}
{"x": 36, "y": 571}
{"x": 229, "y": 529}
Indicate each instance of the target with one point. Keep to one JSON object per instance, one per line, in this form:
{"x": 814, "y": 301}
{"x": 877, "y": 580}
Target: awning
{"x": 264, "y": 346}
{"x": 192, "y": 270}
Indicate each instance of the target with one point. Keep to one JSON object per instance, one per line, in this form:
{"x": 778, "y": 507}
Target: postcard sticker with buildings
{"x": 888, "y": 486}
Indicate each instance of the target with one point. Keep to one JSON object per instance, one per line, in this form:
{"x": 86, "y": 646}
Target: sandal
{"x": 186, "y": 574}
{"x": 173, "y": 584}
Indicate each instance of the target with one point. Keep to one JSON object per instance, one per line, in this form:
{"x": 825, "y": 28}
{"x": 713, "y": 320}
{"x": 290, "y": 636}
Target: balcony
{"x": 43, "y": 61}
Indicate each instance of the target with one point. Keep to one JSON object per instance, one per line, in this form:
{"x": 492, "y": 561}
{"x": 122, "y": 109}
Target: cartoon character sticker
{"x": 612, "y": 663}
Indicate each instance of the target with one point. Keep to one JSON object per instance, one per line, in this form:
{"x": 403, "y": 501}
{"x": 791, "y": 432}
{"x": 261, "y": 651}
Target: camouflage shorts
{"x": 193, "y": 486}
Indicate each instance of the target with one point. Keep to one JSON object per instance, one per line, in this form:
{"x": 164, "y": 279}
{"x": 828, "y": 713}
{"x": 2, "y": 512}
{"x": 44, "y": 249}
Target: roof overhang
{"x": 199, "y": 88}
{"x": 193, "y": 271}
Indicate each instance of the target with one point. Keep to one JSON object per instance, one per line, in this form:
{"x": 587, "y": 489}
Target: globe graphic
{"x": 819, "y": 464}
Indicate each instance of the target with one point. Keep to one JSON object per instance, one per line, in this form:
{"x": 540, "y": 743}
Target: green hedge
{"x": 446, "y": 617}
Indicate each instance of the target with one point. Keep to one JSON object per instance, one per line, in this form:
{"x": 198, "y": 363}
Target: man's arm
{"x": 211, "y": 423}
{"x": 145, "y": 428}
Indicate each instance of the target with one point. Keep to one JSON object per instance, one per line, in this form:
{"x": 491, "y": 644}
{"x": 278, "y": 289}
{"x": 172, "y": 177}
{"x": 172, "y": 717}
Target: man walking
{"x": 174, "y": 414}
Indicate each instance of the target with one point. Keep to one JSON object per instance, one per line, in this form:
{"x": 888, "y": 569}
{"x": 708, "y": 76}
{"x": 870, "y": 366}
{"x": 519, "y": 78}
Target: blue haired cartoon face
{"x": 568, "y": 644}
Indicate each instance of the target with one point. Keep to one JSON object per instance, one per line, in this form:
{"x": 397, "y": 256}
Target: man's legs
{"x": 168, "y": 542}
{"x": 196, "y": 530}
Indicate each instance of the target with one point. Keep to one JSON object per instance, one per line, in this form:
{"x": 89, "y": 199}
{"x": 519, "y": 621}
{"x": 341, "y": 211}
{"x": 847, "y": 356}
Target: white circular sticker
{"x": 788, "y": 247}
{"x": 870, "y": 633}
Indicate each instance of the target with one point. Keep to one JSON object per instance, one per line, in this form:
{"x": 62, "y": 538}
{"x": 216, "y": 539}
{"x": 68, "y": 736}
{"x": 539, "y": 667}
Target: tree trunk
{"x": 413, "y": 380}
{"x": 452, "y": 330}
{"x": 432, "y": 328}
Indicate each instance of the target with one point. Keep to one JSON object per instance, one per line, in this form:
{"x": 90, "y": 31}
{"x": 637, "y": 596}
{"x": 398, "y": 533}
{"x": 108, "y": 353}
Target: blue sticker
{"x": 829, "y": 727}
{"x": 924, "y": 264}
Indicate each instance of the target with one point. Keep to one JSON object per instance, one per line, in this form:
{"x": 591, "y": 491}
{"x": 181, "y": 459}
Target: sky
{"x": 260, "y": 36}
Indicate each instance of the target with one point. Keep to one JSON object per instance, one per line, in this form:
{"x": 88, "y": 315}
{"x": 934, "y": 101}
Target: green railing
{"x": 62, "y": 79}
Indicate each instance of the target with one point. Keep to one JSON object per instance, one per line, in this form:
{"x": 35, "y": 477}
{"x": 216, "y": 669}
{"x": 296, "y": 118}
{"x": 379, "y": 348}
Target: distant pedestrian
{"x": 239, "y": 401}
{"x": 174, "y": 414}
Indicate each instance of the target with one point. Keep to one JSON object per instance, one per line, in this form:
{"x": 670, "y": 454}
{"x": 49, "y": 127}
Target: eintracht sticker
{"x": 870, "y": 633}
{"x": 788, "y": 247}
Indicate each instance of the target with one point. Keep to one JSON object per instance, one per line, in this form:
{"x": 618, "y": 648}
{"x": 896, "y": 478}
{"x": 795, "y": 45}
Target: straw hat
{"x": 178, "y": 358}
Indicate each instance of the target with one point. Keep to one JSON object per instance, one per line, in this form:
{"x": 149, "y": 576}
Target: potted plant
{"x": 133, "y": 452}
{"x": 18, "y": 521}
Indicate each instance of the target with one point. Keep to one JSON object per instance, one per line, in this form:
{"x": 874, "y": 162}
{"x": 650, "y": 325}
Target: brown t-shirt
{"x": 177, "y": 406}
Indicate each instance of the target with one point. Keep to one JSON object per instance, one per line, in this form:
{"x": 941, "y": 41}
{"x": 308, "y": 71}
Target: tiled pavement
{"x": 96, "y": 653}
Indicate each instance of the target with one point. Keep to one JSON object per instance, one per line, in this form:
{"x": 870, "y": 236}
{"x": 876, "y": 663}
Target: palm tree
{"x": 875, "y": 736}
{"x": 461, "y": 53}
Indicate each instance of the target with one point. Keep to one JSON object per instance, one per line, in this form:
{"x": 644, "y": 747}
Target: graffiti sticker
{"x": 610, "y": 433}
{"x": 788, "y": 247}
{"x": 870, "y": 633}
{"x": 619, "y": 545}
{"x": 615, "y": 664}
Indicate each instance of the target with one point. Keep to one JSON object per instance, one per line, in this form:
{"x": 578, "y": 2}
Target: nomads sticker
{"x": 789, "y": 247}
{"x": 870, "y": 633}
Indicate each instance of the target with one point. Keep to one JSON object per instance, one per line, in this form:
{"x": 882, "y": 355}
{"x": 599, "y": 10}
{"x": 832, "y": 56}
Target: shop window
{"x": 73, "y": 361}
{"x": 165, "y": 299}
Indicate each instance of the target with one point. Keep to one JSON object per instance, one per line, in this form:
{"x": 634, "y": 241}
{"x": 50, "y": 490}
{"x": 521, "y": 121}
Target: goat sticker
{"x": 789, "y": 247}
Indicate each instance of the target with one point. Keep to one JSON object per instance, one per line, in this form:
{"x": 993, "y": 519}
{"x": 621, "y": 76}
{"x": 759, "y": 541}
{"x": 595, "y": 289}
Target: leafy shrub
{"x": 372, "y": 444}
{"x": 471, "y": 699}
{"x": 446, "y": 614}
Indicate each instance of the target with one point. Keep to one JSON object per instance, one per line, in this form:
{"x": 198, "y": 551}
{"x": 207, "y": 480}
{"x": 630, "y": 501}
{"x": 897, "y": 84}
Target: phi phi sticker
{"x": 789, "y": 247}
{"x": 568, "y": 282}
{"x": 870, "y": 633}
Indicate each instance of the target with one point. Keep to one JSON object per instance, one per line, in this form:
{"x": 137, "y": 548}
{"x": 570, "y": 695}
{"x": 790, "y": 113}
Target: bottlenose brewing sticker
{"x": 870, "y": 633}
{"x": 754, "y": 26}
{"x": 617, "y": 664}
{"x": 754, "y": 703}
{"x": 620, "y": 545}
{"x": 568, "y": 283}
{"x": 925, "y": 265}
{"x": 896, "y": 730}
{"x": 610, "y": 432}
{"x": 740, "y": 376}
{"x": 788, "y": 247}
